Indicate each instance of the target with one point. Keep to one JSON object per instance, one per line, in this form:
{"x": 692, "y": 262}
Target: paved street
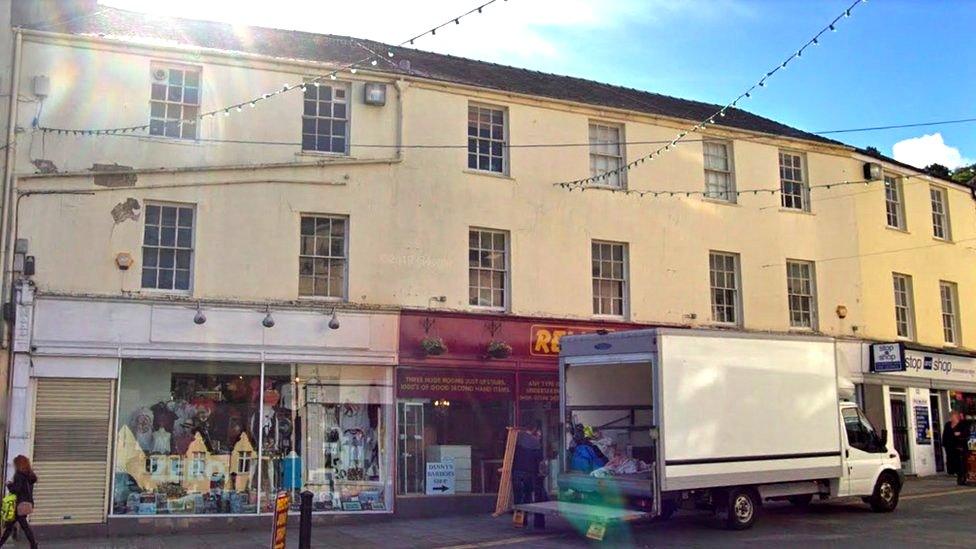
{"x": 933, "y": 513}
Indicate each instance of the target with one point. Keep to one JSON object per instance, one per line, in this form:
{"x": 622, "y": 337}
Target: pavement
{"x": 933, "y": 512}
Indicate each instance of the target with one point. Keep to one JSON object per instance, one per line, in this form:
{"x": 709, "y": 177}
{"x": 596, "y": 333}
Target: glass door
{"x": 937, "y": 431}
{"x": 899, "y": 424}
{"x": 412, "y": 459}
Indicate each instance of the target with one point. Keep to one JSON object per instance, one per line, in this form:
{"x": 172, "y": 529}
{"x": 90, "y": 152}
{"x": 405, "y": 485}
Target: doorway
{"x": 934, "y": 400}
{"x": 900, "y": 430}
{"x": 412, "y": 459}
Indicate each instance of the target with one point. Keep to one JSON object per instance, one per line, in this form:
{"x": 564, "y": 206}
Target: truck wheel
{"x": 801, "y": 500}
{"x": 742, "y": 508}
{"x": 668, "y": 507}
{"x": 885, "y": 496}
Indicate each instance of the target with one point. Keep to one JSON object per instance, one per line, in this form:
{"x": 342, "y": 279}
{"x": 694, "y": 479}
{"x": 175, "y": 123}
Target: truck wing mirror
{"x": 884, "y": 438}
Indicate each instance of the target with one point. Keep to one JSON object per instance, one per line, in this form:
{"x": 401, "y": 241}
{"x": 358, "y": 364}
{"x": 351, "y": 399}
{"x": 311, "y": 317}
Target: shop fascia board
{"x": 217, "y": 353}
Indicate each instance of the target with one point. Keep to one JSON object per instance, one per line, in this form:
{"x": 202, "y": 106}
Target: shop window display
{"x": 179, "y": 427}
{"x": 211, "y": 438}
{"x": 330, "y": 433}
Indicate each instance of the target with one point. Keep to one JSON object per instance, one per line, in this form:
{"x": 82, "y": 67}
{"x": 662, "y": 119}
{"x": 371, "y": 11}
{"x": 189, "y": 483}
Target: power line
{"x": 898, "y": 126}
{"x": 372, "y": 59}
{"x": 831, "y": 27}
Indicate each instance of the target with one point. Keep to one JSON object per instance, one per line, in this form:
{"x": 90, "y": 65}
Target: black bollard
{"x": 305, "y": 521}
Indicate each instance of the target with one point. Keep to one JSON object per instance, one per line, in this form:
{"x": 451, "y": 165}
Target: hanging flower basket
{"x": 499, "y": 349}
{"x": 433, "y": 345}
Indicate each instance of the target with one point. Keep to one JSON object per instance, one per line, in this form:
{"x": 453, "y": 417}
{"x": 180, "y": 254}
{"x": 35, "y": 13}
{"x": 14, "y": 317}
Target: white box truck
{"x": 712, "y": 420}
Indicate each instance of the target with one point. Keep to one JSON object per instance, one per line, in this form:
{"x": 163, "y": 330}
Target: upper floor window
{"x": 174, "y": 101}
{"x": 949, "y": 295}
{"x": 325, "y": 120}
{"x": 894, "y": 203}
{"x": 724, "y": 282}
{"x": 719, "y": 183}
{"x": 801, "y": 290}
{"x": 322, "y": 260}
{"x": 940, "y": 213}
{"x": 607, "y": 153}
{"x": 793, "y": 185}
{"x": 486, "y": 139}
{"x": 167, "y": 246}
{"x": 609, "y": 262}
{"x": 904, "y": 306}
{"x": 487, "y": 268}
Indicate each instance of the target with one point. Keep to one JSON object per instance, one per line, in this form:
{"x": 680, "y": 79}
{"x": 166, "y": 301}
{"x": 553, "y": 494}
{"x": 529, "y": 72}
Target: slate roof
{"x": 287, "y": 44}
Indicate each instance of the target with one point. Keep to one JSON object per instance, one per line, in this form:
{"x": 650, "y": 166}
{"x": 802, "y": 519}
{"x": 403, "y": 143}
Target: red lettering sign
{"x": 544, "y": 339}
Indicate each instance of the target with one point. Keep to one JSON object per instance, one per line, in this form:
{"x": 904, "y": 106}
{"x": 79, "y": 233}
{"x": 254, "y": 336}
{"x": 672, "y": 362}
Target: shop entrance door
{"x": 412, "y": 459}
{"x": 937, "y": 431}
{"x": 72, "y": 419}
{"x": 899, "y": 426}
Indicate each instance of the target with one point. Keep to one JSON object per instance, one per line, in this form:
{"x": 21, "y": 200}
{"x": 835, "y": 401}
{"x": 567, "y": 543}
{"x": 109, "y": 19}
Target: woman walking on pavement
{"x": 22, "y": 486}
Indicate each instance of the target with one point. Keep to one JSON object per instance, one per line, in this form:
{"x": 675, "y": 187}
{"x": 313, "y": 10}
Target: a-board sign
{"x": 278, "y": 529}
{"x": 440, "y": 478}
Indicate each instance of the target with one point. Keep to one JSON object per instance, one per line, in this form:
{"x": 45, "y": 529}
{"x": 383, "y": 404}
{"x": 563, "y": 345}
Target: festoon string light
{"x": 585, "y": 182}
{"x": 371, "y": 60}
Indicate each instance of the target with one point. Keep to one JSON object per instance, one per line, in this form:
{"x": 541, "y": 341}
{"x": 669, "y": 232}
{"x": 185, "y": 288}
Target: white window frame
{"x": 737, "y": 289}
{"x": 327, "y": 258}
{"x": 161, "y": 123}
{"x": 729, "y": 194}
{"x": 475, "y": 140}
{"x": 474, "y": 272}
{"x": 941, "y": 221}
{"x": 895, "y": 202}
{"x": 174, "y": 248}
{"x": 600, "y": 277}
{"x": 331, "y": 119}
{"x": 949, "y": 299}
{"x": 904, "y": 300}
{"x": 244, "y": 462}
{"x": 619, "y": 179}
{"x": 793, "y": 267}
{"x": 804, "y": 195}
{"x": 176, "y": 466}
{"x": 198, "y": 464}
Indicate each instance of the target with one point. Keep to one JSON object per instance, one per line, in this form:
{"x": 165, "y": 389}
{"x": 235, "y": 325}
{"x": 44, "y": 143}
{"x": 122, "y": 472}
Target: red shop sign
{"x": 544, "y": 338}
{"x": 454, "y": 384}
{"x": 538, "y": 387}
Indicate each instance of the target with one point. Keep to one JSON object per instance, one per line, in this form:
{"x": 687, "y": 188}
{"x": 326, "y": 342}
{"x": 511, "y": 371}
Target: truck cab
{"x": 870, "y": 469}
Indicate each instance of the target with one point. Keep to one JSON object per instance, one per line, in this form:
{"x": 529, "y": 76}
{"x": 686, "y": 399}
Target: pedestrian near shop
{"x": 527, "y": 482}
{"x": 22, "y": 486}
{"x": 951, "y": 434}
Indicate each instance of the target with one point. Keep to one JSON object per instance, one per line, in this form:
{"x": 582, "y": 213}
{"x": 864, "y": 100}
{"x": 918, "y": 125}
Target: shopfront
{"x": 135, "y": 410}
{"x": 462, "y": 380}
{"x": 910, "y": 392}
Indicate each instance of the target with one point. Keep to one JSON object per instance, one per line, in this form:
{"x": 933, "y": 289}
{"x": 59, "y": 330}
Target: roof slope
{"x": 123, "y": 24}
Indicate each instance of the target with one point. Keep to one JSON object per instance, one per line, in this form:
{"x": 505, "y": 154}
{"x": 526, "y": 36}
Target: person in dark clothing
{"x": 952, "y": 442}
{"x": 527, "y": 480}
{"x": 22, "y": 485}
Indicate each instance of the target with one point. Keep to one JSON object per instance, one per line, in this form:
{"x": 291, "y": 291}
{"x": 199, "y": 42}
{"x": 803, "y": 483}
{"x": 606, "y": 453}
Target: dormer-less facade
{"x": 235, "y": 273}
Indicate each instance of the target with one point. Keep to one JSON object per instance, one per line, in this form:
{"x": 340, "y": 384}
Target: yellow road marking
{"x": 506, "y": 541}
{"x": 943, "y": 493}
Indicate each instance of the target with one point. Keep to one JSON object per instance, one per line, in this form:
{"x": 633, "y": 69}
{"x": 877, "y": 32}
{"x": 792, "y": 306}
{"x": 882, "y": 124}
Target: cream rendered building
{"x": 395, "y": 186}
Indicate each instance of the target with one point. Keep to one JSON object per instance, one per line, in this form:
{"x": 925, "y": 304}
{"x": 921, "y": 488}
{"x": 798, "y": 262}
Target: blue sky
{"x": 892, "y": 62}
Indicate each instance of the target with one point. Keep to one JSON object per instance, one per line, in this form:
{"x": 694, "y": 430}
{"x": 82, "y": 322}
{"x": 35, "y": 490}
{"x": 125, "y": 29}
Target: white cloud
{"x": 928, "y": 149}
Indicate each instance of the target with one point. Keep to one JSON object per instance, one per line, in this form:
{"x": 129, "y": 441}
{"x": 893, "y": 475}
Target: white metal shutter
{"x": 71, "y": 447}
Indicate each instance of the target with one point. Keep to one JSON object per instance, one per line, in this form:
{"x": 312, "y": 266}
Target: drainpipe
{"x": 8, "y": 180}
{"x": 400, "y": 86}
